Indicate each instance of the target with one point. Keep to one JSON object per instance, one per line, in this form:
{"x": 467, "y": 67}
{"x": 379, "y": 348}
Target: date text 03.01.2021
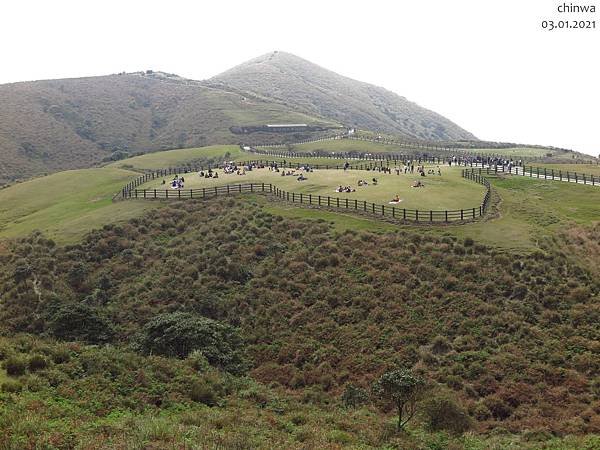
{"x": 568, "y": 25}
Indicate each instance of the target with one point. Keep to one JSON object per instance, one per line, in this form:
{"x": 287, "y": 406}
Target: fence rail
{"x": 131, "y": 191}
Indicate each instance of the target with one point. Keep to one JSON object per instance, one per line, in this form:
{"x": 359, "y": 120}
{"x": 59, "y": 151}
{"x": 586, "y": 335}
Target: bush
{"x": 440, "y": 345}
{"x": 179, "y": 334}
{"x": 445, "y": 414}
{"x": 15, "y": 366}
{"x": 79, "y": 322}
{"x": 12, "y": 386}
{"x": 497, "y": 407}
{"x": 37, "y": 362}
{"x": 354, "y": 396}
{"x": 61, "y": 355}
{"x": 203, "y": 393}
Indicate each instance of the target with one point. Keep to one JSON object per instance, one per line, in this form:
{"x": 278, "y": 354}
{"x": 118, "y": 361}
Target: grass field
{"x": 171, "y": 158}
{"x": 587, "y": 169}
{"x": 530, "y": 211}
{"x": 446, "y": 192}
{"x": 66, "y": 205}
{"x": 346, "y": 145}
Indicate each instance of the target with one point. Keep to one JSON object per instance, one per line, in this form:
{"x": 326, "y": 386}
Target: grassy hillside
{"x": 349, "y": 145}
{"x": 66, "y": 205}
{"x": 529, "y": 211}
{"x": 511, "y": 340}
{"x": 314, "y": 90}
{"x": 182, "y": 157}
{"x": 92, "y": 408}
{"x": 290, "y": 307}
{"x": 46, "y": 126}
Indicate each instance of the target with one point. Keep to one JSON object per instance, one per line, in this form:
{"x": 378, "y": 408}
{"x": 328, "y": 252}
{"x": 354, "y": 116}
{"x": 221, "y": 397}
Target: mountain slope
{"x": 47, "y": 126}
{"x": 312, "y": 89}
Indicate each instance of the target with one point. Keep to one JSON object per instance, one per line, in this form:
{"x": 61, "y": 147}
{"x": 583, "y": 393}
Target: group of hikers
{"x": 208, "y": 174}
{"x": 365, "y": 183}
{"x": 345, "y": 189}
{"x": 176, "y": 182}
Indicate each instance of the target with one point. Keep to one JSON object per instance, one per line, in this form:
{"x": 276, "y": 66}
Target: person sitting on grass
{"x": 301, "y": 177}
{"x": 375, "y": 181}
{"x": 439, "y": 171}
{"x": 396, "y": 199}
{"x": 340, "y": 189}
{"x": 216, "y": 175}
{"x": 417, "y": 184}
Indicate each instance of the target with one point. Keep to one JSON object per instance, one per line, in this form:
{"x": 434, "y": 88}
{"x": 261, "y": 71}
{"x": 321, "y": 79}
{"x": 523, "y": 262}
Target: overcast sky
{"x": 486, "y": 65}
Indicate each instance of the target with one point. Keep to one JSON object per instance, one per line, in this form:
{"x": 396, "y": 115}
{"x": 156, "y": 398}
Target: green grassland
{"x": 66, "y": 205}
{"x": 449, "y": 191}
{"x": 179, "y": 157}
{"x": 310, "y": 291}
{"x": 349, "y": 145}
{"x": 587, "y": 169}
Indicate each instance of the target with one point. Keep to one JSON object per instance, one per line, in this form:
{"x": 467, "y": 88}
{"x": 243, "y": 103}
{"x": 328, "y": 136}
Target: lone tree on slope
{"x": 403, "y": 389}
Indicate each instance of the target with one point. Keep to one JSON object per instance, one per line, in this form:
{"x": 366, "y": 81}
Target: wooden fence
{"x": 388, "y": 211}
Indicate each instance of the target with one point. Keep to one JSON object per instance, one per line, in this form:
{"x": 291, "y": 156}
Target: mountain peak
{"x": 311, "y": 89}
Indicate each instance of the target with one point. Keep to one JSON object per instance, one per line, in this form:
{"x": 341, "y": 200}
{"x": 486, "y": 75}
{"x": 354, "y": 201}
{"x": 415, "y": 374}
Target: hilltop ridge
{"x": 52, "y": 125}
{"x": 309, "y": 88}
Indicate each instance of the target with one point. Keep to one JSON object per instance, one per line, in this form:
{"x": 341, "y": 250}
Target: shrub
{"x": 12, "y": 386}
{"x": 79, "y": 322}
{"x": 354, "y": 396}
{"x": 37, "y": 362}
{"x": 198, "y": 361}
{"x": 179, "y": 334}
{"x": 203, "y": 393}
{"x": 15, "y": 366}
{"x": 61, "y": 355}
{"x": 445, "y": 414}
{"x": 497, "y": 407}
{"x": 440, "y": 345}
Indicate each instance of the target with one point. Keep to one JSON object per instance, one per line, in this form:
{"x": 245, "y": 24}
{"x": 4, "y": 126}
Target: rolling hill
{"x": 53, "y": 125}
{"x": 309, "y": 88}
{"x": 46, "y": 126}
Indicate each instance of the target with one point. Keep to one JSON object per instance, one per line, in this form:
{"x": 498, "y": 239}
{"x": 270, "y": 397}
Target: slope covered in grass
{"x": 66, "y": 205}
{"x": 47, "y": 126}
{"x": 181, "y": 157}
{"x": 359, "y": 146}
{"x": 311, "y": 89}
{"x": 512, "y": 338}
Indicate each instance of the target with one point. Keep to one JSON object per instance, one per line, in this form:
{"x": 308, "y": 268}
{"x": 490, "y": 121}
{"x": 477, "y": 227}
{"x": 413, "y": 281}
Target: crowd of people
{"x": 231, "y": 168}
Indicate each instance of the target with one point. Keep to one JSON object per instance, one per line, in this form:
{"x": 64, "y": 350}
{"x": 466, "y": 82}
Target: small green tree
{"x": 403, "y": 389}
{"x": 354, "y": 396}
